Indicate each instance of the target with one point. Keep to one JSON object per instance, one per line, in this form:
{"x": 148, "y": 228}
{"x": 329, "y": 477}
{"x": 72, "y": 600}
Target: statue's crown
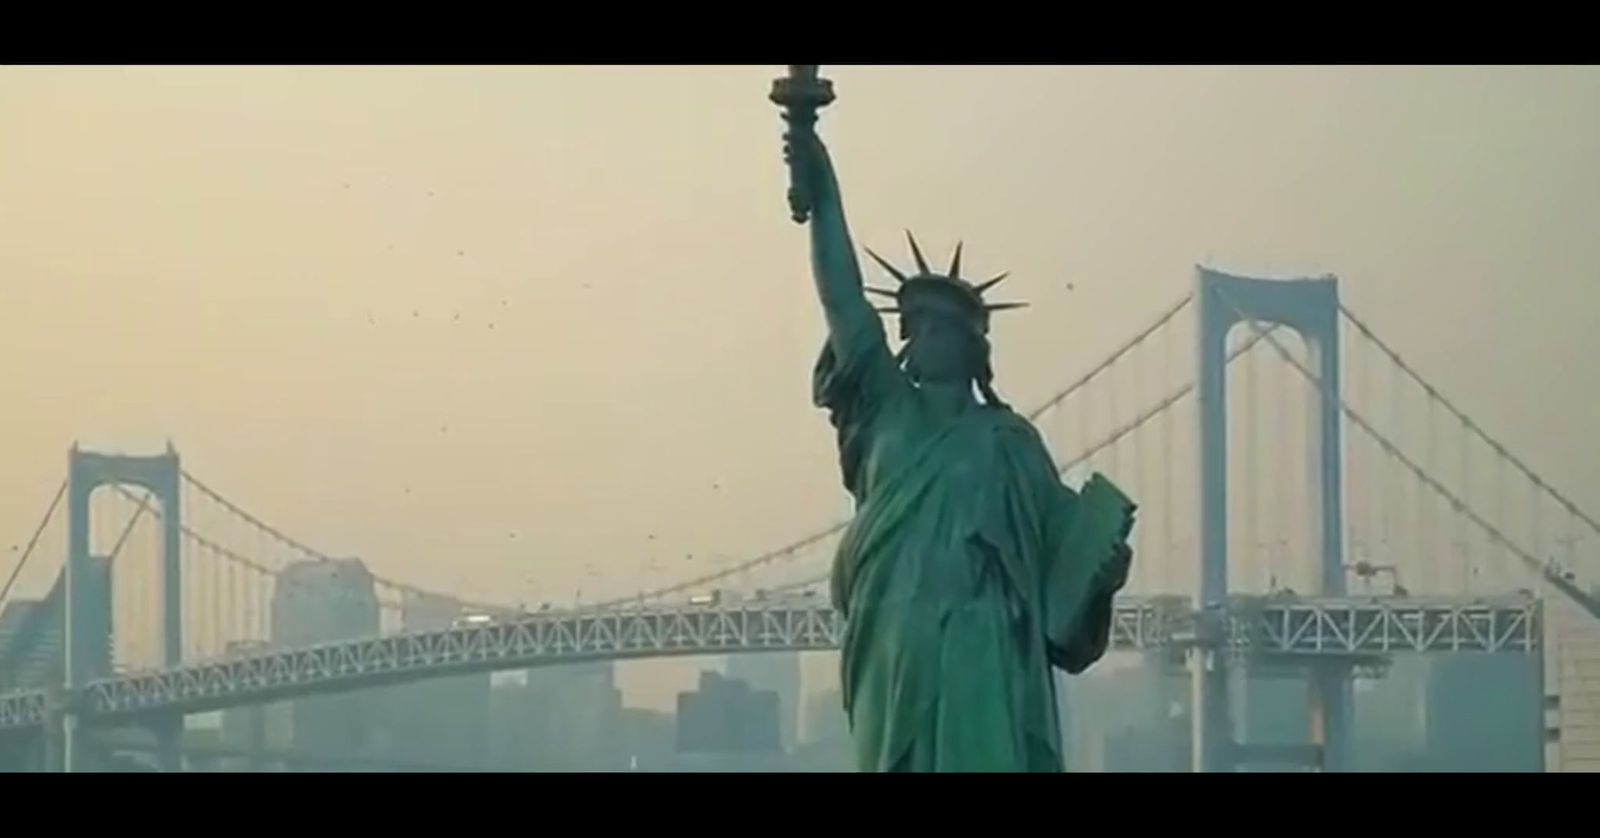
{"x": 925, "y": 289}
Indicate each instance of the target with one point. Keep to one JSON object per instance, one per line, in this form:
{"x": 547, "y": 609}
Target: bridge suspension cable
{"x": 133, "y": 520}
{"x": 795, "y": 547}
{"x": 275, "y": 533}
{"x": 314, "y": 554}
{"x": 1398, "y": 455}
{"x": 201, "y": 540}
{"x": 1116, "y": 355}
{"x": 1091, "y": 449}
{"x": 216, "y": 586}
{"x": 1109, "y": 441}
{"x": 1142, "y": 418}
{"x": 310, "y": 552}
{"x": 33, "y": 541}
{"x": 1500, "y": 450}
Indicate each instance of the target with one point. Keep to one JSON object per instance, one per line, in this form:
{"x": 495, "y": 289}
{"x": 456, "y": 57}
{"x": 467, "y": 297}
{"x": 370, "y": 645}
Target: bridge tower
{"x": 88, "y": 623}
{"x": 1311, "y": 308}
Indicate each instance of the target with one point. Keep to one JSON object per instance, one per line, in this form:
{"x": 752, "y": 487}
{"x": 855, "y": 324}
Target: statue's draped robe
{"x": 941, "y": 577}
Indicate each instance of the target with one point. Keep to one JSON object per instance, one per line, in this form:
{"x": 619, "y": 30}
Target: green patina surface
{"x": 969, "y": 570}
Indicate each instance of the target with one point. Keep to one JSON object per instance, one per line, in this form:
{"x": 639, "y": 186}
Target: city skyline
{"x": 354, "y": 297}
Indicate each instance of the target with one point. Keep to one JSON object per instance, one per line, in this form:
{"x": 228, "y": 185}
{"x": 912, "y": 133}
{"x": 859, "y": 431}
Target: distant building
{"x": 564, "y": 718}
{"x": 1391, "y": 716}
{"x": 726, "y": 716}
{"x": 824, "y": 717}
{"x": 1131, "y": 718}
{"x": 766, "y": 762}
{"x": 33, "y": 637}
{"x": 1273, "y": 706}
{"x": 826, "y": 744}
{"x": 321, "y": 602}
{"x": 779, "y": 673}
{"x": 440, "y": 722}
{"x": 1572, "y": 667}
{"x": 647, "y": 737}
{"x": 1484, "y": 713}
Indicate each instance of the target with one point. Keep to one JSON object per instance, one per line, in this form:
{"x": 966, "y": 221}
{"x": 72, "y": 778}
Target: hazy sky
{"x": 406, "y": 313}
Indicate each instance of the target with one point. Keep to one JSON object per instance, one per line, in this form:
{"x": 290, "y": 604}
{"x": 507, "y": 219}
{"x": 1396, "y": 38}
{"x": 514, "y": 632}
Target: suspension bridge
{"x": 1312, "y": 504}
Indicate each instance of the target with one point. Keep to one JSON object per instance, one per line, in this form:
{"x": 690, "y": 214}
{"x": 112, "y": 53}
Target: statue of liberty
{"x": 969, "y": 570}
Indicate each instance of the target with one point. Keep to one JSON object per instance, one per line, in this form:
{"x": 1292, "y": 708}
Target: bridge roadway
{"x": 1255, "y": 626}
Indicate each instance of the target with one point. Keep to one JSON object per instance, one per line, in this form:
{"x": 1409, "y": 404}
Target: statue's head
{"x": 944, "y": 321}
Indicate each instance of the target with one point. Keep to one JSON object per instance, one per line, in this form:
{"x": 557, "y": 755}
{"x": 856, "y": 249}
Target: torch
{"x": 800, "y": 94}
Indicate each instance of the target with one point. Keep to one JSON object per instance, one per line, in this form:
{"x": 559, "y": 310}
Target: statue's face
{"x": 943, "y": 347}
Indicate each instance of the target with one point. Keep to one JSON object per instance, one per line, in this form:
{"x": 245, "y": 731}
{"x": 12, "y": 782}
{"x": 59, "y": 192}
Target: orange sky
{"x": 407, "y": 313}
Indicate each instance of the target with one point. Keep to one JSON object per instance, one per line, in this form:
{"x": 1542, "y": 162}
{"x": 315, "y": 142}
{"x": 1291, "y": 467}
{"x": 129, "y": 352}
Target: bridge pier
{"x": 168, "y": 730}
{"x": 70, "y": 755}
{"x": 62, "y": 742}
{"x": 1311, "y": 308}
{"x": 1212, "y": 722}
{"x": 1332, "y": 719}
{"x": 52, "y": 750}
{"x": 88, "y": 618}
{"x": 1211, "y": 713}
{"x": 88, "y": 596}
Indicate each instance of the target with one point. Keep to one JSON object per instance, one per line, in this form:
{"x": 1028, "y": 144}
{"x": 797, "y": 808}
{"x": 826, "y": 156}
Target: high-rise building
{"x": 776, "y": 672}
{"x": 1390, "y": 718}
{"x": 819, "y": 674}
{"x": 727, "y": 716}
{"x": 1572, "y": 686}
{"x": 1484, "y": 713}
{"x": 1270, "y": 708}
{"x": 1130, "y": 717}
{"x": 440, "y": 722}
{"x": 648, "y": 737}
{"x": 825, "y": 741}
{"x": 725, "y": 726}
{"x": 563, "y": 718}
{"x": 824, "y": 717}
{"x": 322, "y": 602}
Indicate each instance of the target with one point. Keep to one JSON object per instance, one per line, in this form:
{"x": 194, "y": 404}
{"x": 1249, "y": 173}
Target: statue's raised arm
{"x": 968, "y": 569}
{"x": 814, "y": 197}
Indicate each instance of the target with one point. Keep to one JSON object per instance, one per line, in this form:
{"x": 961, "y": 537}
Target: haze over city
{"x": 520, "y": 333}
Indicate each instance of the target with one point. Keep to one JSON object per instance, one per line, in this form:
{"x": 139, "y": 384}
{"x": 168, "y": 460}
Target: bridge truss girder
{"x": 1268, "y": 629}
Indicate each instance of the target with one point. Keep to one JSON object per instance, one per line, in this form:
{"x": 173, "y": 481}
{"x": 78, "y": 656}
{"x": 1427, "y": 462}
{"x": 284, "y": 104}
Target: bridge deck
{"x": 1264, "y": 626}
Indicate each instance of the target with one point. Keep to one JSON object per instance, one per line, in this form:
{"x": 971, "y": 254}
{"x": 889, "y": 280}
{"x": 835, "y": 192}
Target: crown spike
{"x": 990, "y": 283}
{"x": 916, "y": 253}
{"x": 955, "y": 263}
{"x": 884, "y": 263}
{"x": 882, "y": 292}
{"x": 1003, "y": 306}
